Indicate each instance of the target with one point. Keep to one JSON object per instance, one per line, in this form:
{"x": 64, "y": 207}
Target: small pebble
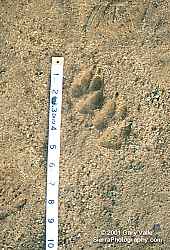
{"x": 3, "y": 214}
{"x": 156, "y": 227}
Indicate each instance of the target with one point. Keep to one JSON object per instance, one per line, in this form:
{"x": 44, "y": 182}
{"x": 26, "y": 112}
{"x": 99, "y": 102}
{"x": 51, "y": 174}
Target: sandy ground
{"x": 114, "y": 167}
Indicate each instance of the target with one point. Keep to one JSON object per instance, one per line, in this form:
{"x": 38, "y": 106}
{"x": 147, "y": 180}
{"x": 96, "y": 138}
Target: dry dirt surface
{"x": 114, "y": 165}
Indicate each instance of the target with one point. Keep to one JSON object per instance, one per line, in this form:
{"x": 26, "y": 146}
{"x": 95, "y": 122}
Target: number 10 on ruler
{"x": 54, "y": 153}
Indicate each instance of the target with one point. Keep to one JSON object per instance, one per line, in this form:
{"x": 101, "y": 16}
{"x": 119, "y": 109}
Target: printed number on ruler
{"x": 54, "y": 109}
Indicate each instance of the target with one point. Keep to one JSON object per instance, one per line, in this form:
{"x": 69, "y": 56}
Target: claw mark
{"x": 90, "y": 19}
{"x": 101, "y": 10}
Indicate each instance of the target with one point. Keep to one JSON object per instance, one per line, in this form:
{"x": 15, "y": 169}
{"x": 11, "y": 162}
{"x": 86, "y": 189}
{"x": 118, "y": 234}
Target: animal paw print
{"x": 90, "y": 91}
{"x": 107, "y": 115}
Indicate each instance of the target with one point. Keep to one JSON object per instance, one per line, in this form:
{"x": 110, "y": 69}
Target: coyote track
{"x": 107, "y": 115}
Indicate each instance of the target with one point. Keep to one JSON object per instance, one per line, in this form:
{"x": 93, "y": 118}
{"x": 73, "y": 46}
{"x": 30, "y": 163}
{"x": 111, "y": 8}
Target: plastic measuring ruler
{"x": 54, "y": 153}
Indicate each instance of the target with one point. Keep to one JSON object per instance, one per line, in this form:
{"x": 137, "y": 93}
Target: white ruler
{"x": 54, "y": 153}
